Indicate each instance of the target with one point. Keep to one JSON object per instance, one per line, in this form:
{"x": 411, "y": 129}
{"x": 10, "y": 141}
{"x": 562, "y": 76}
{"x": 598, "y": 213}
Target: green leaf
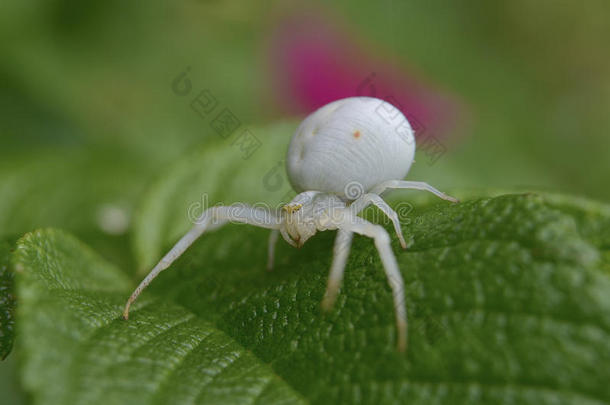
{"x": 77, "y": 349}
{"x": 7, "y": 302}
{"x": 507, "y": 297}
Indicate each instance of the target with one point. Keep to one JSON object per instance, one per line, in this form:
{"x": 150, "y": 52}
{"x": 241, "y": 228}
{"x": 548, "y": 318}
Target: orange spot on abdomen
{"x": 357, "y": 134}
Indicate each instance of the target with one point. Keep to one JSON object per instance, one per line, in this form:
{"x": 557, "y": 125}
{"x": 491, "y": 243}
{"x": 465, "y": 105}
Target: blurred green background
{"x": 88, "y": 117}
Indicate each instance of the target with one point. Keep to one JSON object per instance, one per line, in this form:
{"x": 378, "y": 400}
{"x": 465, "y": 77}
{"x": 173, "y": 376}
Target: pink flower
{"x": 313, "y": 64}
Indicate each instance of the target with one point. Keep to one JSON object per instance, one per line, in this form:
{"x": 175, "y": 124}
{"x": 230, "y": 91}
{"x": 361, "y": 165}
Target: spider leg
{"x": 382, "y": 243}
{"x": 414, "y": 185}
{"x": 212, "y": 218}
{"x": 370, "y": 198}
{"x": 273, "y": 237}
{"x": 287, "y": 237}
{"x": 343, "y": 243}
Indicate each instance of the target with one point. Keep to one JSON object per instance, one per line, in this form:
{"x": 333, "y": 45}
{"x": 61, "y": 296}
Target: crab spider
{"x": 340, "y": 160}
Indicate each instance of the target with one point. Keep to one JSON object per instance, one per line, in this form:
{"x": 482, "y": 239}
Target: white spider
{"x": 340, "y": 160}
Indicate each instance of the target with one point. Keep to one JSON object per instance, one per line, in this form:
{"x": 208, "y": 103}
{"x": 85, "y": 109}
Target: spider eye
{"x": 292, "y": 208}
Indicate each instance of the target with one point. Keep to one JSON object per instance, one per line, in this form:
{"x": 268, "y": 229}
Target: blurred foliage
{"x": 91, "y": 132}
{"x": 534, "y": 77}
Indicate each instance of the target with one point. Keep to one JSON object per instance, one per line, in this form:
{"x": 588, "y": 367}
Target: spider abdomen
{"x": 353, "y": 142}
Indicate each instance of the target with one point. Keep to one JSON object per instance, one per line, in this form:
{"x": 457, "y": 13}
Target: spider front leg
{"x": 412, "y": 185}
{"x": 352, "y": 223}
{"x": 211, "y": 219}
{"x": 367, "y": 199}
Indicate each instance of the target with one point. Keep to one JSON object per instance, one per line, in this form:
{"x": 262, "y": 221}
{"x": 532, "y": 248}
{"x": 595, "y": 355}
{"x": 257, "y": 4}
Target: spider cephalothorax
{"x": 308, "y": 213}
{"x": 341, "y": 159}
